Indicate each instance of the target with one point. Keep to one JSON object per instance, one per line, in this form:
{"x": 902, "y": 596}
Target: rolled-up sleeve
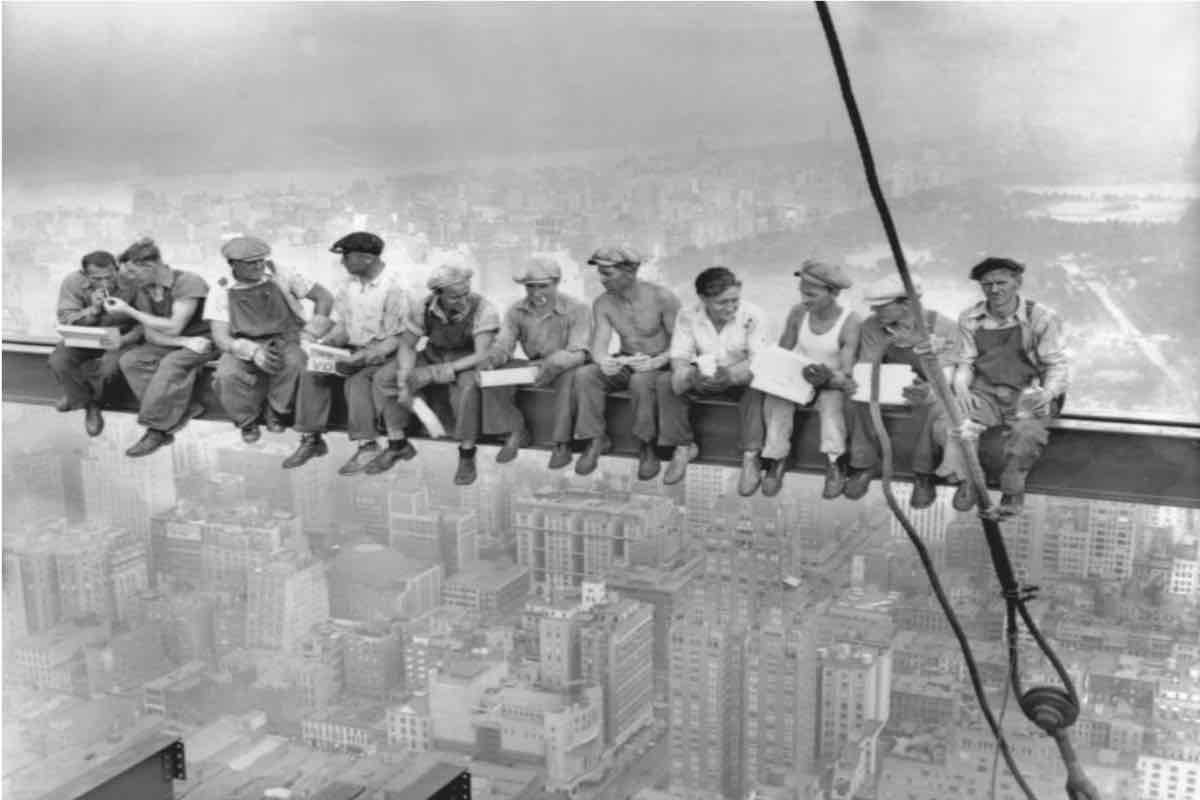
{"x": 72, "y": 300}
{"x": 1052, "y": 353}
{"x": 967, "y": 351}
{"x": 683, "y": 339}
{"x": 216, "y": 308}
{"x": 579, "y": 328}
{"x": 397, "y": 310}
{"x": 294, "y": 281}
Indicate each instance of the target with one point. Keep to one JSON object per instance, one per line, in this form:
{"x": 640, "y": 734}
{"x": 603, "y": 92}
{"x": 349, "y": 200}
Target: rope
{"x": 1078, "y": 787}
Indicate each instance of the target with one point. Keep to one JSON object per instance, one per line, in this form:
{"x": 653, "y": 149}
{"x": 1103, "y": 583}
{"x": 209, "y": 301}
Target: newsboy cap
{"x": 989, "y": 264}
{"x": 448, "y": 275}
{"x": 143, "y": 249}
{"x": 824, "y": 273}
{"x": 245, "y": 248}
{"x": 358, "y": 242}
{"x": 539, "y": 270}
{"x": 616, "y": 257}
{"x": 887, "y": 289}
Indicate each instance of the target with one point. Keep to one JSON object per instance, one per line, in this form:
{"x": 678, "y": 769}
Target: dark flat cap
{"x": 98, "y": 258}
{"x": 989, "y": 264}
{"x": 358, "y": 242}
{"x": 142, "y": 250}
{"x": 615, "y": 257}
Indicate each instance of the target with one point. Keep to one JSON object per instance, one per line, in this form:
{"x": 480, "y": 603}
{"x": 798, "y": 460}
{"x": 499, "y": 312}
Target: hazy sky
{"x": 234, "y": 84}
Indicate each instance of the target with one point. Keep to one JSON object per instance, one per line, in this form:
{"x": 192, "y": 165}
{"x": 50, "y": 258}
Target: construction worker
{"x": 825, "y": 332}
{"x": 84, "y": 373}
{"x": 369, "y": 306}
{"x": 1012, "y": 370}
{"x": 460, "y": 327}
{"x": 257, "y": 322}
{"x": 554, "y": 330}
{"x": 643, "y": 316}
{"x": 169, "y": 305}
{"x": 889, "y": 333}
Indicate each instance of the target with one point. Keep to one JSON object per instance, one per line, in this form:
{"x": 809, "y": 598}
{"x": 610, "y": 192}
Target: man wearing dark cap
{"x": 889, "y": 335}
{"x": 84, "y": 373}
{"x": 459, "y": 327}
{"x": 169, "y": 305}
{"x": 370, "y": 306}
{"x": 826, "y": 333}
{"x": 554, "y": 330}
{"x": 642, "y": 315}
{"x": 257, "y": 322}
{"x": 1012, "y": 370}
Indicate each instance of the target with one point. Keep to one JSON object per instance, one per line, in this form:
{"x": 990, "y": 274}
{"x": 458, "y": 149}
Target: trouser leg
{"x": 591, "y": 390}
{"x": 864, "y": 443}
{"x": 164, "y": 379}
{"x": 987, "y": 413}
{"x": 750, "y": 419}
{"x": 565, "y": 396}
{"x": 283, "y": 385}
{"x": 643, "y": 390}
{"x": 241, "y": 388}
{"x": 779, "y": 416}
{"x": 499, "y": 407}
{"x": 384, "y": 388}
{"x": 69, "y": 365}
{"x": 674, "y": 414}
{"x": 831, "y": 409}
{"x": 465, "y": 398}
{"x": 361, "y": 417}
{"x": 1026, "y": 440}
{"x": 314, "y": 400}
{"x": 931, "y": 439}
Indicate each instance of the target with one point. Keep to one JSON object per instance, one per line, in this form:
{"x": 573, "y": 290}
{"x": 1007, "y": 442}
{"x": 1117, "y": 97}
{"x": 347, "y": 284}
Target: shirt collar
{"x": 560, "y": 305}
{"x": 437, "y": 310}
{"x": 701, "y": 315}
{"x": 979, "y": 311}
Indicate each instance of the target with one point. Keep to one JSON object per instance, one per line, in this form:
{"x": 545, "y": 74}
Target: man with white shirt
{"x": 711, "y": 348}
{"x": 370, "y": 306}
{"x": 257, "y": 322}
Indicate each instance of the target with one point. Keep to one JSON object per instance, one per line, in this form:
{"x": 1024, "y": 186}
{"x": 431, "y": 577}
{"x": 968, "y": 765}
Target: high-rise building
{"x": 855, "y": 690}
{"x": 369, "y": 582}
{"x": 456, "y": 692}
{"x": 747, "y": 548}
{"x": 558, "y": 644}
{"x": 488, "y": 588}
{"x": 31, "y": 579}
{"x": 447, "y": 536}
{"x": 126, "y": 492}
{"x": 374, "y": 663}
{"x": 616, "y": 644}
{"x": 707, "y": 704}
{"x": 1096, "y": 538}
{"x": 284, "y": 599}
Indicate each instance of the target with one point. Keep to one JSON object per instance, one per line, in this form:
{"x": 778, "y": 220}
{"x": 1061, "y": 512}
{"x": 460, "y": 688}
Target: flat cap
{"x": 448, "y": 275}
{"x": 989, "y": 264}
{"x": 358, "y": 242}
{"x": 245, "y": 248}
{"x": 539, "y": 270}
{"x": 616, "y": 257}
{"x": 143, "y": 249}
{"x": 887, "y": 289}
{"x": 98, "y": 258}
{"x": 824, "y": 273}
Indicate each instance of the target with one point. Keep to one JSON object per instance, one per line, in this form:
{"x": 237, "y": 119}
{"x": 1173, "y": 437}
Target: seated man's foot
{"x": 751, "y": 475}
{"x": 195, "y": 411}
{"x": 648, "y": 463}
{"x": 311, "y": 446}
{"x": 64, "y": 405}
{"x": 835, "y": 479}
{"x": 772, "y": 481}
{"x": 93, "y": 420}
{"x": 251, "y": 433}
{"x": 358, "y": 462}
{"x": 275, "y": 423}
{"x": 964, "y": 497}
{"x": 587, "y": 462}
{"x": 561, "y": 456}
{"x": 465, "y": 474}
{"x": 512, "y": 445}
{"x": 857, "y": 483}
{"x": 684, "y": 453}
{"x": 397, "y": 450}
{"x": 924, "y": 492}
{"x": 1011, "y": 504}
{"x": 151, "y": 440}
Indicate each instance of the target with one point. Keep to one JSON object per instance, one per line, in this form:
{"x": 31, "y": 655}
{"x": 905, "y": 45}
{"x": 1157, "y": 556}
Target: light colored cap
{"x": 824, "y": 273}
{"x": 448, "y": 275}
{"x": 539, "y": 270}
{"x": 887, "y": 289}
{"x": 245, "y": 248}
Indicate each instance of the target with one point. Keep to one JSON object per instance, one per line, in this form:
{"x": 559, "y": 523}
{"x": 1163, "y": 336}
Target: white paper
{"x": 780, "y": 372}
{"x": 322, "y": 358}
{"x": 893, "y": 378}
{"x": 428, "y": 418}
{"x": 513, "y": 376}
{"x": 88, "y": 337}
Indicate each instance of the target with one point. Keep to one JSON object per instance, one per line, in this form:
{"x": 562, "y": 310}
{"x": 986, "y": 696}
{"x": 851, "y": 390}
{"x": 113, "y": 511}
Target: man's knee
{"x": 589, "y": 376}
{"x": 1027, "y": 437}
{"x": 645, "y": 384}
{"x": 61, "y": 360}
{"x": 384, "y": 379}
{"x": 467, "y": 380}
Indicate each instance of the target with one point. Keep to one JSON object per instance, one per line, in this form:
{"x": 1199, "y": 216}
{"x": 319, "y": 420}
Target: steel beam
{"x": 144, "y": 771}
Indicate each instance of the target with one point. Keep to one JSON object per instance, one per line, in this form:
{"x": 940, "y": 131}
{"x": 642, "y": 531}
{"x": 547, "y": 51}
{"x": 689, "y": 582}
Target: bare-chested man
{"x": 642, "y": 315}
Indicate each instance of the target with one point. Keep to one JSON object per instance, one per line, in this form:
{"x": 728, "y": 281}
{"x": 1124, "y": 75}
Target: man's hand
{"x": 740, "y": 374}
{"x": 683, "y": 379}
{"x": 1039, "y": 405}
{"x": 554, "y": 365}
{"x": 443, "y": 373}
{"x": 935, "y": 345}
{"x": 115, "y": 305}
{"x": 610, "y": 366}
{"x": 98, "y": 297}
{"x": 419, "y": 378}
{"x": 197, "y": 344}
{"x": 351, "y": 365}
{"x": 818, "y": 375}
{"x": 644, "y": 363}
{"x": 718, "y": 382}
{"x": 917, "y": 393}
{"x": 111, "y": 340}
{"x": 268, "y": 360}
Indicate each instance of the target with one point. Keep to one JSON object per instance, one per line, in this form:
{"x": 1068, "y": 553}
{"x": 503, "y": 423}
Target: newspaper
{"x": 780, "y": 372}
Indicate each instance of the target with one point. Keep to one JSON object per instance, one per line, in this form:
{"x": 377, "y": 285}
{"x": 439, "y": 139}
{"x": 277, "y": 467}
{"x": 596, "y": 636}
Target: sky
{"x": 156, "y": 87}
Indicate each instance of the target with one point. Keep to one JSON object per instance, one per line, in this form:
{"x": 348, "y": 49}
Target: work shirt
{"x": 368, "y": 311}
{"x": 295, "y": 287}
{"x": 875, "y": 337}
{"x": 75, "y": 302}
{"x": 1041, "y": 340}
{"x": 741, "y": 338}
{"x": 486, "y": 320}
{"x": 567, "y": 325}
{"x": 159, "y": 296}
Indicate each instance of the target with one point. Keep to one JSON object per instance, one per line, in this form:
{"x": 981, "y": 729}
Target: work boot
{"x": 93, "y": 420}
{"x": 151, "y": 440}
{"x": 587, "y": 462}
{"x": 751, "y": 475}
{"x": 195, "y": 411}
{"x": 512, "y": 445}
{"x": 251, "y": 433}
{"x": 923, "y": 493}
{"x": 858, "y": 483}
{"x": 561, "y": 456}
{"x": 774, "y": 469}
{"x": 311, "y": 446}
{"x": 1011, "y": 504}
{"x": 964, "y": 497}
{"x": 835, "y": 479}
{"x": 397, "y": 450}
{"x": 648, "y": 463}
{"x": 677, "y": 469}
{"x": 465, "y": 474}
{"x": 358, "y": 462}
{"x": 274, "y": 421}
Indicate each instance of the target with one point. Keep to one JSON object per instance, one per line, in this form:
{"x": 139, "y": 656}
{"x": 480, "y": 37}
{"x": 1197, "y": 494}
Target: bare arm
{"x": 483, "y": 345}
{"x": 848, "y": 343}
{"x": 181, "y": 311}
{"x": 406, "y": 356}
{"x": 221, "y": 336}
{"x": 322, "y": 300}
{"x": 791, "y": 329}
